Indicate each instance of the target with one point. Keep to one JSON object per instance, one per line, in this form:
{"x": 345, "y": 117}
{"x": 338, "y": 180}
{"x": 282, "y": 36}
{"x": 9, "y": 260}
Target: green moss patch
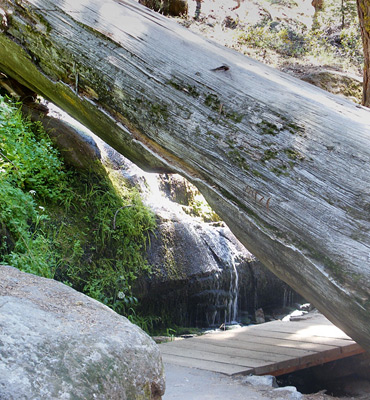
{"x": 81, "y": 228}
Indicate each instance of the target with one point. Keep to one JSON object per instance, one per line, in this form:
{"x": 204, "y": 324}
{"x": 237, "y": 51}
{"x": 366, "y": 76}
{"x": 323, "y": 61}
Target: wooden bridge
{"x": 273, "y": 348}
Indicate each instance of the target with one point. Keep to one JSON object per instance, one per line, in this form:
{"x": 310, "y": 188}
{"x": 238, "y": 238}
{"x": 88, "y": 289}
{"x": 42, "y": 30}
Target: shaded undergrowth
{"x": 78, "y": 228}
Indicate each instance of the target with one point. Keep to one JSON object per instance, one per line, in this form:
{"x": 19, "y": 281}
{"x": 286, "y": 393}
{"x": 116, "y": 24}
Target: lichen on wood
{"x": 265, "y": 149}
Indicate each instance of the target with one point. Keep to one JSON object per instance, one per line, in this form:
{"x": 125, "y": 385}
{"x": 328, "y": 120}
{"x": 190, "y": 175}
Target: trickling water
{"x": 204, "y": 285}
{"x": 235, "y": 293}
{"x": 232, "y": 309}
{"x": 288, "y": 297}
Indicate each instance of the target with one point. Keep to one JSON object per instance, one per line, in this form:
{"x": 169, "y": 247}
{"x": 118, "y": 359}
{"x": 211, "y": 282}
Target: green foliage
{"x": 351, "y": 44}
{"x": 25, "y": 156}
{"x": 104, "y": 239}
{"x": 71, "y": 226}
{"x": 146, "y": 322}
{"x": 28, "y": 159}
{"x": 287, "y": 3}
{"x": 198, "y": 207}
{"x": 334, "y": 37}
{"x": 281, "y": 38}
{"x": 23, "y": 243}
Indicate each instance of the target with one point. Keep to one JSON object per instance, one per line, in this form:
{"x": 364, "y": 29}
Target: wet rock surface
{"x": 202, "y": 275}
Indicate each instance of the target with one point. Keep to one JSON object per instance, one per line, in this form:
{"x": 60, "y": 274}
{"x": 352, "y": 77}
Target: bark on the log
{"x": 285, "y": 164}
{"x": 363, "y": 7}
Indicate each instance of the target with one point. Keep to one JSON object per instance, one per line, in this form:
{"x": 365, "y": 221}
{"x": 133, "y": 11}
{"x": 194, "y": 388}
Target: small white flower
{"x": 42, "y": 208}
{"x": 33, "y": 192}
{"x": 121, "y": 295}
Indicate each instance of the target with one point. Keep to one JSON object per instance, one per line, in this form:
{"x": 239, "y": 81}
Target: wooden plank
{"x": 222, "y": 358}
{"x": 272, "y": 348}
{"x": 305, "y": 338}
{"x": 269, "y": 364}
{"x": 267, "y": 345}
{"x": 305, "y": 329}
{"x": 223, "y": 368}
{"x": 282, "y": 369}
{"x": 249, "y": 340}
{"x": 300, "y": 362}
{"x": 301, "y": 336}
{"x": 251, "y": 354}
{"x": 352, "y": 349}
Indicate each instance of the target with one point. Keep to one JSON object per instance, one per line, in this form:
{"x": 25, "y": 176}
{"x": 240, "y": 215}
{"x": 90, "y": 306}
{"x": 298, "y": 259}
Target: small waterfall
{"x": 288, "y": 297}
{"x": 233, "y": 293}
{"x": 202, "y": 286}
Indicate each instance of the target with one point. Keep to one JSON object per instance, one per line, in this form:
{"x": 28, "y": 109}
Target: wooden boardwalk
{"x": 273, "y": 348}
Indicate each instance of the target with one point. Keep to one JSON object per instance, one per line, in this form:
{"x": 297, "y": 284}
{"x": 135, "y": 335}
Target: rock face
{"x": 202, "y": 275}
{"x": 336, "y": 82}
{"x": 56, "y": 343}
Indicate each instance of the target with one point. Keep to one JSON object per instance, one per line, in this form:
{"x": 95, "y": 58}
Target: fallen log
{"x": 285, "y": 164}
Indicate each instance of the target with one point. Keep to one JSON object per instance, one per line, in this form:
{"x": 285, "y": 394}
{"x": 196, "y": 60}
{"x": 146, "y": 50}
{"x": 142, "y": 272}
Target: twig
{"x": 11, "y": 162}
{"x": 115, "y": 215}
{"x": 76, "y": 76}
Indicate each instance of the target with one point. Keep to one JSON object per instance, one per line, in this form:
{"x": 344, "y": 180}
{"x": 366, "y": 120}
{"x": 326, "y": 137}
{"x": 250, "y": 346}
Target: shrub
{"x": 75, "y": 227}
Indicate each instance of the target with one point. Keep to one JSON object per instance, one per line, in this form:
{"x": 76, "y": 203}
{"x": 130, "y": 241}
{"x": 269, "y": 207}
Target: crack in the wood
{"x": 223, "y": 67}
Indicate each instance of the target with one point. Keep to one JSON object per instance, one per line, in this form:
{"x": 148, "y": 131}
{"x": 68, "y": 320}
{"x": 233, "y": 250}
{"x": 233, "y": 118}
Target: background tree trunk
{"x": 167, "y": 7}
{"x": 363, "y": 7}
{"x": 285, "y": 164}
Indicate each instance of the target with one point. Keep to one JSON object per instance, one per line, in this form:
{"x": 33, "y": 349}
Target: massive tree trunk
{"x": 363, "y": 7}
{"x": 285, "y": 164}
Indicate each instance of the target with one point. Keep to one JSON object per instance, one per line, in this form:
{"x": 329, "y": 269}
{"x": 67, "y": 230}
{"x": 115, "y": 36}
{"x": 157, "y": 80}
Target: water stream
{"x": 205, "y": 277}
{"x": 234, "y": 292}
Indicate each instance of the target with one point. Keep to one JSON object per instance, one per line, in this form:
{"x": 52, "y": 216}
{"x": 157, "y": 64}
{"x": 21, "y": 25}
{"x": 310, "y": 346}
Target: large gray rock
{"x": 201, "y": 274}
{"x": 56, "y": 343}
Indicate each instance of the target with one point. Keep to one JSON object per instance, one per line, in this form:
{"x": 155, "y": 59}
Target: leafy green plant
{"x": 332, "y": 40}
{"x": 28, "y": 159}
{"x": 75, "y": 227}
{"x": 23, "y": 247}
{"x": 106, "y": 252}
{"x": 25, "y": 153}
{"x": 146, "y": 322}
{"x": 351, "y": 44}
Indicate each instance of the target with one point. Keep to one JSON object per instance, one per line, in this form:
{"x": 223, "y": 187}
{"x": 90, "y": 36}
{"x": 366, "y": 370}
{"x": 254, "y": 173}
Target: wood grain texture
{"x": 249, "y": 350}
{"x": 285, "y": 164}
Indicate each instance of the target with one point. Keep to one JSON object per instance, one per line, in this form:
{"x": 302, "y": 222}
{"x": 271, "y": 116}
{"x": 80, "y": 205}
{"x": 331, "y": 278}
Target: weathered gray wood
{"x": 228, "y": 369}
{"x": 304, "y": 330}
{"x": 285, "y": 164}
{"x": 285, "y": 339}
{"x": 255, "y": 350}
{"x": 193, "y": 348}
{"x": 223, "y": 358}
{"x": 297, "y": 337}
{"x": 266, "y": 355}
{"x": 273, "y": 345}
